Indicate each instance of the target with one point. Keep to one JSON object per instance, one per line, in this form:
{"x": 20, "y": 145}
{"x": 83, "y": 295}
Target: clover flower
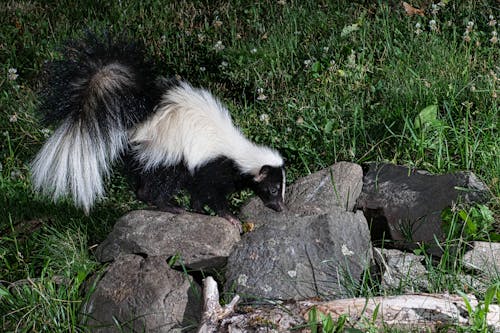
{"x": 219, "y": 46}
{"x": 12, "y": 74}
{"x": 492, "y": 21}
{"x": 494, "y": 38}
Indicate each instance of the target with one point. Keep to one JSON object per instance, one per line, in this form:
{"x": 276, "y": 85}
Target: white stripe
{"x": 191, "y": 125}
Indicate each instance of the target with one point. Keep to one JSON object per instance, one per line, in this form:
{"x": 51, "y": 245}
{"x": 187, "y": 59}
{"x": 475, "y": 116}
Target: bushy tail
{"x": 99, "y": 90}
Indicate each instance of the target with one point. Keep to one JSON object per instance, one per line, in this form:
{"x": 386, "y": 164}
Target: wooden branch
{"x": 408, "y": 311}
{"x": 213, "y": 312}
{"x": 429, "y": 311}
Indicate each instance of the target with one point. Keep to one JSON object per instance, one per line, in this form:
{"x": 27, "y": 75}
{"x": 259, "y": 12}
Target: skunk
{"x": 109, "y": 105}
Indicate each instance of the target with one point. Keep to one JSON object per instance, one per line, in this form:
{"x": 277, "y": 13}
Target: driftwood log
{"x": 430, "y": 311}
{"x": 417, "y": 311}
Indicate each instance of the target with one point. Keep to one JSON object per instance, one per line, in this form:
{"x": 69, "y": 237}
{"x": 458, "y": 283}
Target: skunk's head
{"x": 269, "y": 185}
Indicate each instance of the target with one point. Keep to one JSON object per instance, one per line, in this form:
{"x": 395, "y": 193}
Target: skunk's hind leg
{"x": 158, "y": 186}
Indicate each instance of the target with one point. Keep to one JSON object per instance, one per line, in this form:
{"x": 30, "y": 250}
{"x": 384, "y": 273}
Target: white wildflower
{"x": 261, "y": 97}
{"x": 433, "y": 25}
{"x": 201, "y": 38}
{"x": 470, "y": 26}
{"x": 466, "y": 36}
{"x": 219, "y": 46}
{"x": 46, "y": 132}
{"x": 15, "y": 174}
{"x": 307, "y": 62}
{"x": 435, "y": 9}
{"x": 12, "y": 74}
{"x": 13, "y": 118}
{"x": 264, "y": 117}
{"x": 418, "y": 29}
{"x": 492, "y": 21}
{"x": 494, "y": 38}
{"x": 254, "y": 50}
{"x": 281, "y": 2}
{"x": 202, "y": 69}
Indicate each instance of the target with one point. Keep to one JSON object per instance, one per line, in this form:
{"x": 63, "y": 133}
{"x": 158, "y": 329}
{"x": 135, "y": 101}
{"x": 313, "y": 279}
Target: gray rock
{"x": 485, "y": 258}
{"x": 298, "y": 257}
{"x": 405, "y": 205}
{"x": 201, "y": 241}
{"x": 142, "y": 294}
{"x": 401, "y": 271}
{"x": 325, "y": 191}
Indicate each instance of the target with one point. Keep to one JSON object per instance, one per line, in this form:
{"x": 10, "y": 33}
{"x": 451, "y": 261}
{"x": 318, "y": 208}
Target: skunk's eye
{"x": 273, "y": 191}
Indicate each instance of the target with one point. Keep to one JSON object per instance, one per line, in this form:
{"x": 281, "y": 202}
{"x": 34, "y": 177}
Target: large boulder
{"x": 201, "y": 241}
{"x": 317, "y": 248}
{"x": 298, "y": 257}
{"x": 404, "y": 205}
{"x": 139, "y": 294}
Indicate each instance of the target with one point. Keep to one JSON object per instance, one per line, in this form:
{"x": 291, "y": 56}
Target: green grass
{"x": 320, "y": 81}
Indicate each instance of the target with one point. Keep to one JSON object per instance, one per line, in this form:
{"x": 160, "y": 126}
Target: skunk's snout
{"x": 276, "y": 206}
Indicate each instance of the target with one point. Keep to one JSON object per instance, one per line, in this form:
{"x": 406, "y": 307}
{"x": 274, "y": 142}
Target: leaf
{"x": 348, "y": 29}
{"x": 3, "y": 292}
{"x": 312, "y": 319}
{"x": 428, "y": 115}
{"x": 410, "y": 10}
{"x": 328, "y": 126}
{"x": 468, "y": 306}
{"x": 316, "y": 67}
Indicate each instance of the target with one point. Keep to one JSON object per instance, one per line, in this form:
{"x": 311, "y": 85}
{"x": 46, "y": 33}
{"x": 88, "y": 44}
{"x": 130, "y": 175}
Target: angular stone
{"x": 201, "y": 241}
{"x": 139, "y": 294}
{"x": 401, "y": 271}
{"x": 484, "y": 257}
{"x": 298, "y": 257}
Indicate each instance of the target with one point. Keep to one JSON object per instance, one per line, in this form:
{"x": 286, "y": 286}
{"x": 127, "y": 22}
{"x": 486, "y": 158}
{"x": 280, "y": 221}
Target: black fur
{"x": 210, "y": 185}
{"x": 82, "y": 60}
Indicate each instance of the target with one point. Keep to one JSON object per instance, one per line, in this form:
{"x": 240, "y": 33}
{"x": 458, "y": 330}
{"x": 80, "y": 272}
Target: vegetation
{"x": 322, "y": 81}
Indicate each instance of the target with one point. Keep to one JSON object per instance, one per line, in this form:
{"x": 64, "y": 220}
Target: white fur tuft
{"x": 75, "y": 160}
{"x": 192, "y": 126}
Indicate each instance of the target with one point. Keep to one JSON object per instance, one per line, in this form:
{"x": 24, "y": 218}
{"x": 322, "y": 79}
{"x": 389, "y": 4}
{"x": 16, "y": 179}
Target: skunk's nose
{"x": 277, "y": 206}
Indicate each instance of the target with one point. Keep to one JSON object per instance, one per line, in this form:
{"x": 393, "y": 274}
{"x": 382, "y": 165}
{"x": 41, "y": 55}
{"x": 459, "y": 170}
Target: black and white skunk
{"x": 108, "y": 105}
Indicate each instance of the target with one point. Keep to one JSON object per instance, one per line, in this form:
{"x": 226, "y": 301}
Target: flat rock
{"x": 485, "y": 258}
{"x": 201, "y": 241}
{"x": 401, "y": 271}
{"x": 327, "y": 190}
{"x": 298, "y": 257}
{"x": 139, "y": 294}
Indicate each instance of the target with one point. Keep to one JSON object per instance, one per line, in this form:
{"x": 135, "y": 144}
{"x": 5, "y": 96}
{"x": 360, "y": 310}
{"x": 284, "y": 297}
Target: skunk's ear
{"x": 263, "y": 173}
